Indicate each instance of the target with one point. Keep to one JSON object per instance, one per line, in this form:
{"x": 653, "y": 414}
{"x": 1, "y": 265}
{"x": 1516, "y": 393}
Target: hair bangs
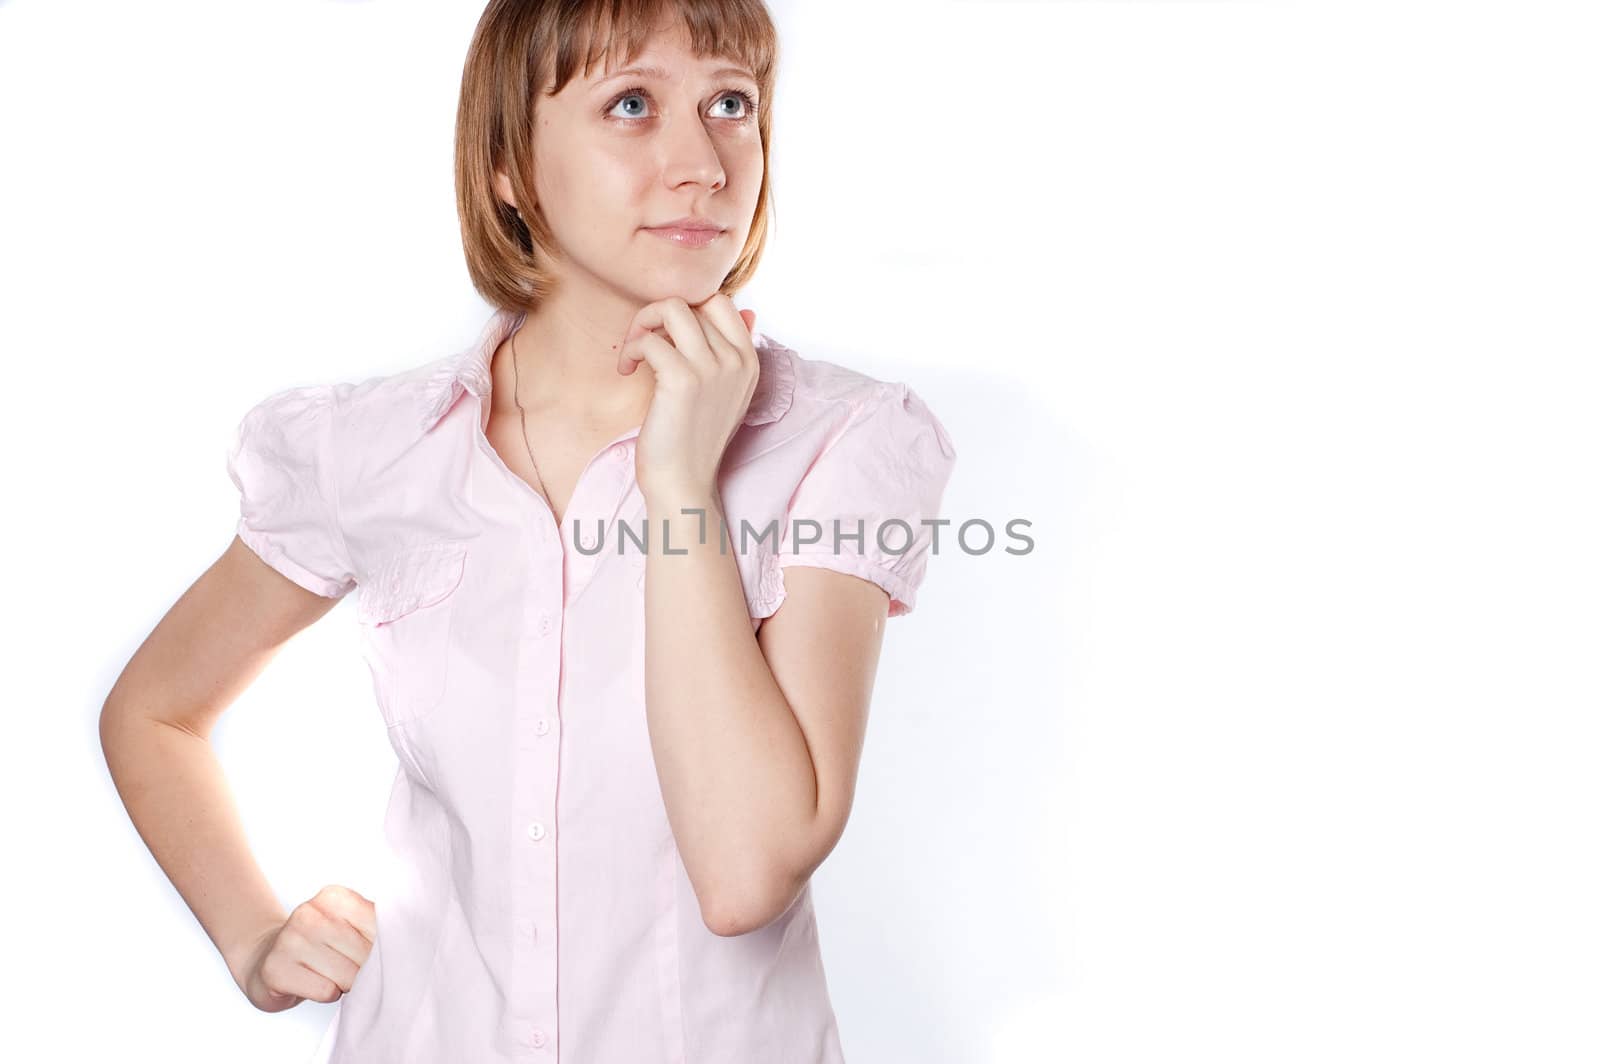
{"x": 612, "y": 35}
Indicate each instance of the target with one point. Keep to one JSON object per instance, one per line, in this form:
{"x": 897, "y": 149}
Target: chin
{"x": 693, "y": 290}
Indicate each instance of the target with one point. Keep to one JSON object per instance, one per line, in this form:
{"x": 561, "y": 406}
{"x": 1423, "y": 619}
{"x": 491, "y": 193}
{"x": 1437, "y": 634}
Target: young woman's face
{"x": 619, "y": 154}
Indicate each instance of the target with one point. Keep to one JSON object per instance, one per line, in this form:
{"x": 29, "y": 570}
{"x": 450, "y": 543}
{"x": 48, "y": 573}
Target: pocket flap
{"x": 410, "y": 579}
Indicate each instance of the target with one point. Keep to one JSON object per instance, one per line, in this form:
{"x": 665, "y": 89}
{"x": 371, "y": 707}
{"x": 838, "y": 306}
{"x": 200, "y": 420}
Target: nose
{"x": 689, "y": 154}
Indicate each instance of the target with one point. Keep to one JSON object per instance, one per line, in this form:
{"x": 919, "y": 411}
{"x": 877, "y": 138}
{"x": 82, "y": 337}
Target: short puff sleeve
{"x": 883, "y": 475}
{"x": 281, "y": 462}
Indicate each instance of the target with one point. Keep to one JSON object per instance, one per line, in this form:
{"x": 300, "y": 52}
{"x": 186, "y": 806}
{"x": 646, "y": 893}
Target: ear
{"x": 502, "y": 189}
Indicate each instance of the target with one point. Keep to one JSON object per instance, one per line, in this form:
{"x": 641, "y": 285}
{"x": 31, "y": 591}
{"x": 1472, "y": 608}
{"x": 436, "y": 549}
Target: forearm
{"x": 735, "y": 771}
{"x": 175, "y": 793}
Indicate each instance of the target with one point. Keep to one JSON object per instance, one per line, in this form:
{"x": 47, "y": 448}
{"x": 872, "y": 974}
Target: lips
{"x": 690, "y": 223}
{"x": 693, "y": 238}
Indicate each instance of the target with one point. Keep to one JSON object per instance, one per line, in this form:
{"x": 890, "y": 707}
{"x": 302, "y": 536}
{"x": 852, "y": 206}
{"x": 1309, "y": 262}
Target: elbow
{"x": 762, "y": 892}
{"x": 118, "y": 719}
{"x": 113, "y": 719}
{"x": 732, "y": 920}
{"x": 733, "y": 912}
{"x": 724, "y": 923}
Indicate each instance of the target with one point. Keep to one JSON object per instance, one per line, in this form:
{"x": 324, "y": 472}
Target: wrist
{"x": 667, "y": 501}
{"x": 240, "y": 956}
{"x": 685, "y": 518}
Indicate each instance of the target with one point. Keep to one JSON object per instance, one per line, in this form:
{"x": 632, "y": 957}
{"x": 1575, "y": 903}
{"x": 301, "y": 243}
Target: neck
{"x": 567, "y": 361}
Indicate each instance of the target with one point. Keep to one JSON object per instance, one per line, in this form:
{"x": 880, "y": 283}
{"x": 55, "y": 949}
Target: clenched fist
{"x": 314, "y": 954}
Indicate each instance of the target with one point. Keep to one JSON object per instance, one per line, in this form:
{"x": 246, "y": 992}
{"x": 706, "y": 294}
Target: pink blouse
{"x": 541, "y": 911}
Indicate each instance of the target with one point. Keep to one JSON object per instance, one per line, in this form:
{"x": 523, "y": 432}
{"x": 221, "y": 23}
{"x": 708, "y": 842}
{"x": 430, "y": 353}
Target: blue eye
{"x": 630, "y": 94}
{"x": 746, "y": 98}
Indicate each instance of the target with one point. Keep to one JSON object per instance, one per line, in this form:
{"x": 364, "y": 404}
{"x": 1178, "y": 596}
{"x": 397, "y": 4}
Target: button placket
{"x": 598, "y": 515}
{"x": 533, "y": 927}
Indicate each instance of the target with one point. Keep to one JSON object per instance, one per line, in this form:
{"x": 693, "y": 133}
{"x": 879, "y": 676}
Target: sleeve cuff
{"x": 902, "y": 594}
{"x": 268, "y": 552}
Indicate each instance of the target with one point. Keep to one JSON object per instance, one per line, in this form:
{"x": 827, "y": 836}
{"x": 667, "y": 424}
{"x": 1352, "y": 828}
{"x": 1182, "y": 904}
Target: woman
{"x": 620, "y": 759}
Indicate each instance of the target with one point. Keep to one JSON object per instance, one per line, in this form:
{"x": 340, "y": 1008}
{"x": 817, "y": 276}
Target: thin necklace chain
{"x": 516, "y": 390}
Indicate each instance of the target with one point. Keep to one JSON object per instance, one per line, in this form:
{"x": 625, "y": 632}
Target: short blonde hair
{"x": 517, "y": 47}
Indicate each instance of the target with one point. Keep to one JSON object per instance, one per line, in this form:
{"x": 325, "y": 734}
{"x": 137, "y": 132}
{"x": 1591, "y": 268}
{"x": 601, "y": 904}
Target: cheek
{"x": 744, "y": 166}
{"x": 603, "y": 186}
{"x": 614, "y": 179}
{"x": 574, "y": 166}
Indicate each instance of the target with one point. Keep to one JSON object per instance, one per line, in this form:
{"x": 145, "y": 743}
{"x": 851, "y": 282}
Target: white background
{"x": 1277, "y": 319}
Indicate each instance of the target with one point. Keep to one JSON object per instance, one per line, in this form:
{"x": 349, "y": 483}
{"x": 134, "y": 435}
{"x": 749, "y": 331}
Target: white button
{"x": 535, "y": 831}
{"x": 536, "y": 1038}
{"x": 545, "y": 624}
{"x": 541, "y": 726}
{"x": 619, "y": 452}
{"x": 525, "y": 928}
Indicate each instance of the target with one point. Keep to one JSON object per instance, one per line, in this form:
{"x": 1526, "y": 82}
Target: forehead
{"x": 665, "y": 48}
{"x": 665, "y": 60}
{"x": 649, "y": 68}
{"x": 661, "y": 64}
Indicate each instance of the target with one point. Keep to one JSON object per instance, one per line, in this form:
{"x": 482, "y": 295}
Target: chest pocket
{"x": 404, "y": 609}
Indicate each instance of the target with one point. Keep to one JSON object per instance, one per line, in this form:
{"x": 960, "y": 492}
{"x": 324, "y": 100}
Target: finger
{"x": 728, "y": 355}
{"x": 332, "y": 965}
{"x": 730, "y": 326}
{"x": 634, "y": 350}
{"x": 350, "y": 906}
{"x": 349, "y": 940}
{"x": 291, "y": 968}
{"x": 749, "y": 317}
{"x": 286, "y": 977}
{"x": 301, "y": 982}
{"x": 730, "y": 321}
{"x": 682, "y": 326}
{"x": 323, "y": 928}
{"x": 666, "y": 361}
{"x": 365, "y": 918}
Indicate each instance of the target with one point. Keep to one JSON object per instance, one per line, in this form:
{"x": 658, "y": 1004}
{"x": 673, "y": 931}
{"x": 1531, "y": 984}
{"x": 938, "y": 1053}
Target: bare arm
{"x": 155, "y": 732}
{"x": 757, "y": 740}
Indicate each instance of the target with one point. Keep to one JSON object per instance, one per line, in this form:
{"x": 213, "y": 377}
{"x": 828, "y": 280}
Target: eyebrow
{"x": 662, "y": 75}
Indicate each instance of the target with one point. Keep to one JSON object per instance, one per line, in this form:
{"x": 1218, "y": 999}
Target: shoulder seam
{"x": 331, "y": 474}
